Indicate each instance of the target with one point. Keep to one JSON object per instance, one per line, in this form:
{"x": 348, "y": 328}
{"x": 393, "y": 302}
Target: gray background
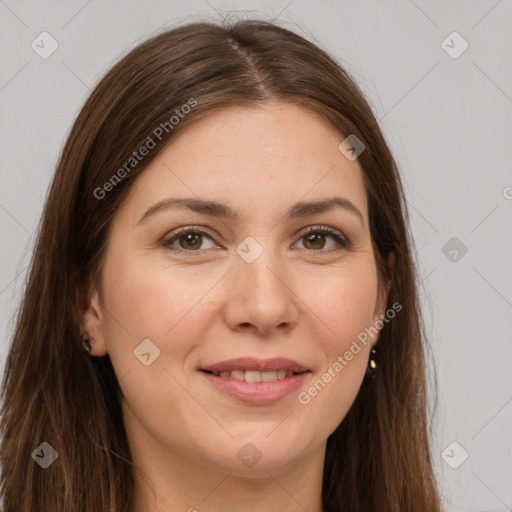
{"x": 448, "y": 121}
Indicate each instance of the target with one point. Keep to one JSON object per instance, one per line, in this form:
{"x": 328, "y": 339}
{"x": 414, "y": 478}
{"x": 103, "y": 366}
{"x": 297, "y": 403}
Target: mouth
{"x": 256, "y": 381}
{"x": 253, "y": 376}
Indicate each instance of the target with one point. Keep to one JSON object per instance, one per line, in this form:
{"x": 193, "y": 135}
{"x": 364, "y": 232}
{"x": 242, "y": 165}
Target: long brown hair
{"x": 378, "y": 459}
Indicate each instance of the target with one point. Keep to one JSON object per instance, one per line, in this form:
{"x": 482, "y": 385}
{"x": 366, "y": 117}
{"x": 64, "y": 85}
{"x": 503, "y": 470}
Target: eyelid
{"x": 321, "y": 228}
{"x": 185, "y": 229}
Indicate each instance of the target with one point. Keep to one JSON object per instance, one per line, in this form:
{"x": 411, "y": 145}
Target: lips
{"x": 256, "y": 365}
{"x": 256, "y": 381}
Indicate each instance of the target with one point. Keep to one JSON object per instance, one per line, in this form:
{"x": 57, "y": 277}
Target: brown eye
{"x": 189, "y": 240}
{"x": 315, "y": 239}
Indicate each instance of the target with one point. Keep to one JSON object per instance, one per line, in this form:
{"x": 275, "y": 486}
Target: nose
{"x": 261, "y": 296}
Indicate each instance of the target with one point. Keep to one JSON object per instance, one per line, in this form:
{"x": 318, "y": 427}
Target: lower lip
{"x": 257, "y": 393}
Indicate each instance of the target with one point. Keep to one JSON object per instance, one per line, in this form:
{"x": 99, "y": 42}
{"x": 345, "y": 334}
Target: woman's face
{"x": 251, "y": 276}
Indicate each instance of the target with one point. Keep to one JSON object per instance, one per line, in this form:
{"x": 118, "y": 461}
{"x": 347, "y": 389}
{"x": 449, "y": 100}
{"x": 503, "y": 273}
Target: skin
{"x": 305, "y": 300}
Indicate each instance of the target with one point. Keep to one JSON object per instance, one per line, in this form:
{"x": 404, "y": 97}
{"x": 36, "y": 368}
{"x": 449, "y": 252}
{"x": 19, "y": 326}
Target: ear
{"x": 380, "y": 309}
{"x": 89, "y": 316}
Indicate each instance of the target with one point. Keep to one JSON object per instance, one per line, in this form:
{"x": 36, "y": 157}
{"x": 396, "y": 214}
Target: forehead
{"x": 272, "y": 156}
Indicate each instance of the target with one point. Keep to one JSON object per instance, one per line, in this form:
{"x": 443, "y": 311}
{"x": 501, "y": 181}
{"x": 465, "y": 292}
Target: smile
{"x": 255, "y": 376}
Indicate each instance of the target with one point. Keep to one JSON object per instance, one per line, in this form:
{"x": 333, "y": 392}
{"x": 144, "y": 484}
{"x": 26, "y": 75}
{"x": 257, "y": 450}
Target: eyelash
{"x": 325, "y": 230}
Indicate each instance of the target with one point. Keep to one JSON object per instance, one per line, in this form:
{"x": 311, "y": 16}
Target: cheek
{"x": 345, "y": 302}
{"x": 346, "y": 306}
{"x": 150, "y": 300}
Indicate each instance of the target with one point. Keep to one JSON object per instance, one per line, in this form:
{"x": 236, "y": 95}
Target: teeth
{"x": 254, "y": 376}
{"x": 237, "y": 375}
{"x": 268, "y": 376}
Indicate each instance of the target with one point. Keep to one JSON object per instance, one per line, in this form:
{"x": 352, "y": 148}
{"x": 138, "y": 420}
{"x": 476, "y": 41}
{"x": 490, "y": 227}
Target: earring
{"x": 88, "y": 344}
{"x": 372, "y": 364}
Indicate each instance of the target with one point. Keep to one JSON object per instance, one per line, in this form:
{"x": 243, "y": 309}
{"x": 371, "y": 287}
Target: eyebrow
{"x": 216, "y": 209}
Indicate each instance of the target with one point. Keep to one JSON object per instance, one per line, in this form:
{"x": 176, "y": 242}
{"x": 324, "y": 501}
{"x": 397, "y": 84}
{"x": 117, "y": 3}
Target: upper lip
{"x": 254, "y": 364}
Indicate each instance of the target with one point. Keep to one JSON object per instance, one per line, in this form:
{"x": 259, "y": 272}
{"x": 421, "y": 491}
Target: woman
{"x": 222, "y": 309}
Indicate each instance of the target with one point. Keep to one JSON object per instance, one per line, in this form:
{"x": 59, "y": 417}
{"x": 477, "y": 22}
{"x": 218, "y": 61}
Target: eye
{"x": 191, "y": 240}
{"x": 315, "y": 237}
{"x": 188, "y": 239}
